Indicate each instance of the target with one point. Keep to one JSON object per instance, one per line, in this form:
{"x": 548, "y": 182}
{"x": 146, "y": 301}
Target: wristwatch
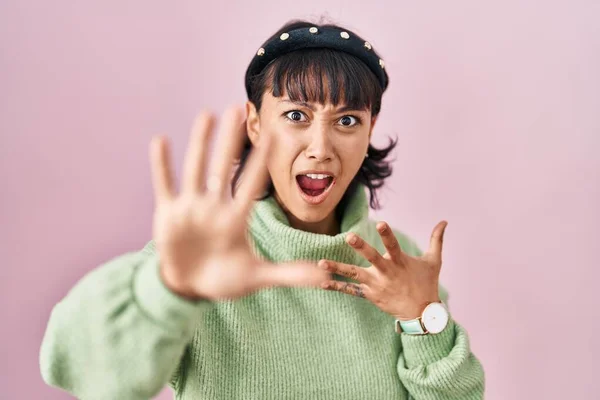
{"x": 433, "y": 320}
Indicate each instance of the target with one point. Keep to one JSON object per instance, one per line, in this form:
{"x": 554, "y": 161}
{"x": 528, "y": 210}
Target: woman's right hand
{"x": 200, "y": 233}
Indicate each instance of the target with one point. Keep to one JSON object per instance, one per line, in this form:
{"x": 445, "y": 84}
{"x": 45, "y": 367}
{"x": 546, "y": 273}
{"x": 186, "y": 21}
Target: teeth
{"x": 318, "y": 176}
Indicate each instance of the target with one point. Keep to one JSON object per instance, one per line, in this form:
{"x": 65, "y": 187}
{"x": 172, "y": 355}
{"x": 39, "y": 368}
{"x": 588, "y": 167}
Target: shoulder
{"x": 149, "y": 248}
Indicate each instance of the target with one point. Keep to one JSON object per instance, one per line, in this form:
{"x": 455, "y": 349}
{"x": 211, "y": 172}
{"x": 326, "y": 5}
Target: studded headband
{"x": 316, "y": 37}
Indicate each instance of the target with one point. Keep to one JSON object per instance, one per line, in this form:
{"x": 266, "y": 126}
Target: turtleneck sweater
{"x": 120, "y": 333}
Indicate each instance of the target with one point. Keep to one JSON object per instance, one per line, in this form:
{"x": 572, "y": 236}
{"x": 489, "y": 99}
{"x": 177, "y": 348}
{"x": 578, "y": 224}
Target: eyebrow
{"x": 310, "y": 107}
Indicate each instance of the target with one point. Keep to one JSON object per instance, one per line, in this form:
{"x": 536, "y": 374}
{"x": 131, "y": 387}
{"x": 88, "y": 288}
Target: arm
{"x": 119, "y": 332}
{"x": 439, "y": 366}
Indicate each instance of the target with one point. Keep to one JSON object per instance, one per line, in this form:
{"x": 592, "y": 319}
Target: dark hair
{"x": 303, "y": 74}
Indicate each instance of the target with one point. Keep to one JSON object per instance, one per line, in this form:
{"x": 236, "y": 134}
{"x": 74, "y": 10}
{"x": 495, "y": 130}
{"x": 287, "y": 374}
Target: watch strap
{"x": 411, "y": 327}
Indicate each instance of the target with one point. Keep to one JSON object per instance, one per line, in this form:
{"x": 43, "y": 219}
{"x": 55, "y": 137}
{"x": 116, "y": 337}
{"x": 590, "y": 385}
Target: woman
{"x": 297, "y": 295}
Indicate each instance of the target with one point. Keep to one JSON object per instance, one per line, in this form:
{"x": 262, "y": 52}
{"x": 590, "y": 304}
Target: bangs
{"x": 324, "y": 76}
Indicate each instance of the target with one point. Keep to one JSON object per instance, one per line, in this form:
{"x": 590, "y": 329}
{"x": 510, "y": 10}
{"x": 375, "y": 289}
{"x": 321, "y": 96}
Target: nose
{"x": 320, "y": 147}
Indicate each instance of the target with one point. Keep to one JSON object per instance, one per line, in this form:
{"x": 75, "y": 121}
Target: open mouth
{"x": 314, "y": 184}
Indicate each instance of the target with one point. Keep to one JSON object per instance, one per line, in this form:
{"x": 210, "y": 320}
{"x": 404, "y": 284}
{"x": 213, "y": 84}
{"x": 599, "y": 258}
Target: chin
{"x": 311, "y": 214}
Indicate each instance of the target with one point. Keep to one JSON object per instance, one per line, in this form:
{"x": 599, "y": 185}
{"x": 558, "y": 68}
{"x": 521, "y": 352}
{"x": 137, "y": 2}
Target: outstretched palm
{"x": 200, "y": 233}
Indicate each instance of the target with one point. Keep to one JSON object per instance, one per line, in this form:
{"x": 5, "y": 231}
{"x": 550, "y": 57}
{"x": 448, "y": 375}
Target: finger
{"x": 366, "y": 250}
{"x": 358, "y": 290}
{"x": 160, "y": 164}
{"x": 254, "y": 178}
{"x": 437, "y": 240}
{"x": 291, "y": 274}
{"x": 228, "y": 149}
{"x": 194, "y": 166}
{"x": 390, "y": 242}
{"x": 350, "y": 271}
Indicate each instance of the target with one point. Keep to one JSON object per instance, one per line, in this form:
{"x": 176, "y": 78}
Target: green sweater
{"x": 121, "y": 334}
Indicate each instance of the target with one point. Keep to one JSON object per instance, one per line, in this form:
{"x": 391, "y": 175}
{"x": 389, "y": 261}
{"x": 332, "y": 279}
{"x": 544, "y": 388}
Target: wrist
{"x": 414, "y": 311}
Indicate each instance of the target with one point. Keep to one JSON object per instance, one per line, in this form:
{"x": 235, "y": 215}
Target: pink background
{"x": 495, "y": 105}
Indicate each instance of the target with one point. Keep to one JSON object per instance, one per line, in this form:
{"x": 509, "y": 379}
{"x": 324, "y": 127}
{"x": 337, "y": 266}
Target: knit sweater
{"x": 120, "y": 333}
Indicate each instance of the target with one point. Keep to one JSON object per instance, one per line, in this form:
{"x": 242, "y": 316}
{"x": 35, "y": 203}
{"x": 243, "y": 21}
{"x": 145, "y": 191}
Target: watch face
{"x": 435, "y": 317}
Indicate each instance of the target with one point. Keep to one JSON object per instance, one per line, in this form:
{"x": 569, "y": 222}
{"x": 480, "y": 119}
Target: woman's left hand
{"x": 397, "y": 283}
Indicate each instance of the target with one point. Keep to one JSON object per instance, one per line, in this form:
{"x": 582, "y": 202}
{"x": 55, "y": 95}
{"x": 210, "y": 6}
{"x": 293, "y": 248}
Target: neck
{"x": 328, "y": 226}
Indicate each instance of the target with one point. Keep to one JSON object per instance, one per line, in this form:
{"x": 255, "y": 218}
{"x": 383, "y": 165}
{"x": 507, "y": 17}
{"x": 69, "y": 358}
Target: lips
{"x": 314, "y": 187}
{"x": 313, "y": 184}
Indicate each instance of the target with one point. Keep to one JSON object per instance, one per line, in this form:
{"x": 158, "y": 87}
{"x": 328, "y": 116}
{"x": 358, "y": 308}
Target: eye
{"x": 346, "y": 120}
{"x": 295, "y": 116}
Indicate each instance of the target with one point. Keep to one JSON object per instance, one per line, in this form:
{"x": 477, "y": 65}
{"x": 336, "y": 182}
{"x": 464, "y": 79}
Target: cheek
{"x": 286, "y": 139}
{"x": 285, "y": 148}
{"x": 282, "y": 155}
{"x": 352, "y": 154}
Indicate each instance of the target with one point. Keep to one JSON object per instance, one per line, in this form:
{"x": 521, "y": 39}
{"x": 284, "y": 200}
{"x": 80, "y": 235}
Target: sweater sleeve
{"x": 119, "y": 333}
{"x": 440, "y": 366}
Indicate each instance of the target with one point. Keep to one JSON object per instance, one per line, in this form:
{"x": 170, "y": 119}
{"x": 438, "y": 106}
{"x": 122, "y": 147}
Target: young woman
{"x": 285, "y": 290}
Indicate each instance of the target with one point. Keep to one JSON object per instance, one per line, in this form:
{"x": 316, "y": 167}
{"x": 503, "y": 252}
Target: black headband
{"x": 316, "y": 37}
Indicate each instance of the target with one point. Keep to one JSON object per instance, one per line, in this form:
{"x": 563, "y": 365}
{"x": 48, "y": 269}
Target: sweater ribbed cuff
{"x": 167, "y": 308}
{"x": 420, "y": 350}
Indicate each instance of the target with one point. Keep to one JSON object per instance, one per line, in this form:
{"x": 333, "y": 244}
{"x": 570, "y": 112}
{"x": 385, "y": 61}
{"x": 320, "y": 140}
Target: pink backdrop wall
{"x": 496, "y": 107}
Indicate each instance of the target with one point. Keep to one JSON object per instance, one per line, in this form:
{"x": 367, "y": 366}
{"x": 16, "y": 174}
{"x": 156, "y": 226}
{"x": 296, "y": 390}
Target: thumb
{"x": 292, "y": 274}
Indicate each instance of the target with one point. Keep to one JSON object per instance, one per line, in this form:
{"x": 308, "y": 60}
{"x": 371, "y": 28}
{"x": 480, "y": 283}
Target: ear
{"x": 373, "y": 121}
{"x": 252, "y": 122}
